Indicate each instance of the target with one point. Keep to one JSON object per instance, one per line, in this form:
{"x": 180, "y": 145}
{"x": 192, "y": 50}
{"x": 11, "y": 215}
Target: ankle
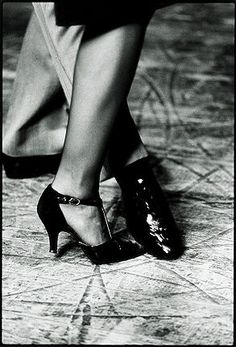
{"x": 83, "y": 189}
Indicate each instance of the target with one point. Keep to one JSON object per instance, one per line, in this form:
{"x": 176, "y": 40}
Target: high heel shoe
{"x": 54, "y": 221}
{"x": 148, "y": 216}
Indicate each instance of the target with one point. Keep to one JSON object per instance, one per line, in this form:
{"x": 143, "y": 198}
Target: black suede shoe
{"x": 33, "y": 166}
{"x": 149, "y": 218}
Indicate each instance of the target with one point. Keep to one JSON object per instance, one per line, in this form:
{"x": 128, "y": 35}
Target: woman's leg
{"x": 104, "y": 71}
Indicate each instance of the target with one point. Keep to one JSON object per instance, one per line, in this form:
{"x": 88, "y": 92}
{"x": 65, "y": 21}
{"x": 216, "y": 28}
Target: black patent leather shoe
{"x": 50, "y": 213}
{"x": 148, "y": 216}
{"x": 32, "y": 166}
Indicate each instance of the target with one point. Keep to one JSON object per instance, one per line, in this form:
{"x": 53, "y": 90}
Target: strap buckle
{"x": 74, "y": 201}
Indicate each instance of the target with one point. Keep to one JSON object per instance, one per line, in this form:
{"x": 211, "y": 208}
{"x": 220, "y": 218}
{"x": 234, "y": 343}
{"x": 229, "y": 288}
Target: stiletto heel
{"x": 53, "y": 239}
{"x": 51, "y": 228}
{"x": 54, "y": 221}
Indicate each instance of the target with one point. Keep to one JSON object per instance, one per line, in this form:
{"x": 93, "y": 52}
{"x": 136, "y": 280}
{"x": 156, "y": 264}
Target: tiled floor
{"x": 182, "y": 102}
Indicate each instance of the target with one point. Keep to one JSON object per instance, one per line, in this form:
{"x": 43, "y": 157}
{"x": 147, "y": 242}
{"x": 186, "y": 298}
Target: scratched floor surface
{"x": 182, "y": 102}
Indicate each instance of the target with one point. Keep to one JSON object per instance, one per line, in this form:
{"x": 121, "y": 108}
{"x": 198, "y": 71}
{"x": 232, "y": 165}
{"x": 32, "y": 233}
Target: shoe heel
{"x": 51, "y": 230}
{"x": 53, "y": 233}
{"x": 53, "y": 239}
{"x": 47, "y": 220}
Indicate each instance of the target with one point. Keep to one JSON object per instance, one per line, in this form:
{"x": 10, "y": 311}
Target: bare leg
{"x": 104, "y": 71}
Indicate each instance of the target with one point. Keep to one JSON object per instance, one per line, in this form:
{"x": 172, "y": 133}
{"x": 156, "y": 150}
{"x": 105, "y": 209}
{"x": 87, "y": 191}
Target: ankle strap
{"x": 71, "y": 200}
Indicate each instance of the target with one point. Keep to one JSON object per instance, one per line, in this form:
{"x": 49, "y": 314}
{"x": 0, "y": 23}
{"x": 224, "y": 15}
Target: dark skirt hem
{"x": 105, "y": 12}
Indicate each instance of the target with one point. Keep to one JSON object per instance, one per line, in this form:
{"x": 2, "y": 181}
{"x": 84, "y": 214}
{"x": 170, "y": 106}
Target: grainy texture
{"x": 182, "y": 102}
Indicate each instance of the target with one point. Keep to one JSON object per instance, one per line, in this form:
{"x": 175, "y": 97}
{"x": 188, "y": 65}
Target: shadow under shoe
{"x": 113, "y": 250}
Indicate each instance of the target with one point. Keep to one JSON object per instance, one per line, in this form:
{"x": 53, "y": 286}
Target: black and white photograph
{"x": 117, "y": 173}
